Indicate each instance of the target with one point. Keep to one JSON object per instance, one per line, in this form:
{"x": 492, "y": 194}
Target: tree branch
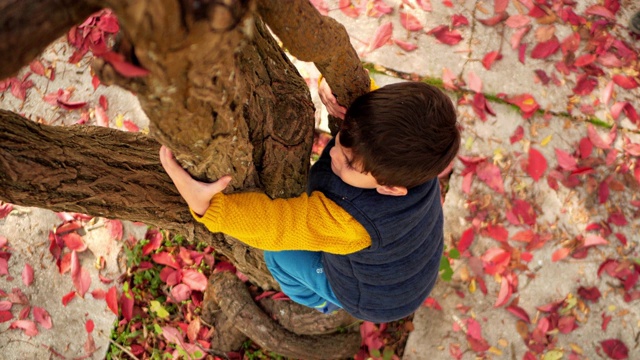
{"x": 27, "y": 27}
{"x": 235, "y": 301}
{"x": 310, "y": 36}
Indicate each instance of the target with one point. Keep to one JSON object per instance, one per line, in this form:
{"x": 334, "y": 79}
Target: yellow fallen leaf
{"x": 576, "y": 349}
{"x": 495, "y": 350}
{"x": 503, "y": 343}
{"x": 546, "y": 140}
{"x": 468, "y": 143}
{"x": 119, "y": 120}
{"x": 553, "y": 355}
{"x": 472, "y": 286}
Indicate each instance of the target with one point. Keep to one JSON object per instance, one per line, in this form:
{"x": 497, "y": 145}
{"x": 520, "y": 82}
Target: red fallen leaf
{"x": 432, "y": 303}
{"x": 598, "y": 141}
{"x": 164, "y": 258}
{"x": 544, "y": 49}
{"x": 37, "y": 67}
{"x": 68, "y": 227}
{"x": 112, "y": 300}
{"x": 155, "y": 240}
{"x": 74, "y": 242}
{"x": 424, "y": 4}
{"x": 490, "y": 58}
{"x": 536, "y": 165}
{"x": 490, "y": 174}
{"x": 617, "y": 218}
{"x": 121, "y": 66}
{"x": 410, "y": 22}
{"x": 585, "y": 60}
{"x": 518, "y": 21}
{"x": 5, "y": 316}
{"x": 280, "y": 296}
{"x": 108, "y": 23}
{"x": 126, "y": 304}
{"x": 447, "y": 3}
{"x": 603, "y": 192}
{"x": 495, "y": 260}
{"x": 500, "y": 6}
{"x": 522, "y": 49}
{"x": 5, "y": 209}
{"x": 98, "y": 294}
{"x": 67, "y": 298}
{"x": 81, "y": 281}
{"x": 27, "y": 275}
{"x": 524, "y": 236}
{"x": 194, "y": 279}
{"x": 586, "y": 147}
{"x": 518, "y": 134}
{"x": 103, "y": 102}
{"x": 378, "y": 9}
{"x": 591, "y": 293}
{"x": 594, "y": 240}
{"x": 560, "y": 254}
{"x": 132, "y": 127}
{"x": 42, "y": 317}
{"x": 498, "y": 232}
{"x": 492, "y": 21}
{"x": 517, "y": 36}
{"x": 24, "y": 312}
{"x": 4, "y": 267}
{"x": 526, "y": 103}
{"x": 89, "y": 325}
{"x": 348, "y": 9}
{"x": 446, "y": 36}
{"x": 28, "y": 326}
{"x": 626, "y": 82}
{"x": 622, "y": 238}
{"x": 381, "y": 36}
{"x": 519, "y": 312}
{"x": 585, "y": 85}
{"x": 565, "y": 160}
{"x": 504, "y": 294}
{"x": 600, "y": 11}
{"x": 480, "y": 105}
{"x": 615, "y": 349}
{"x": 180, "y": 292}
{"x": 605, "y": 321}
{"x": 115, "y": 229}
{"x": 371, "y": 335}
{"x": 224, "y": 266}
{"x": 465, "y": 240}
{"x": 458, "y": 20}
{"x": 474, "y": 81}
{"x": 567, "y": 324}
{"x": 95, "y": 82}
{"x": 5, "y": 305}
{"x": 406, "y": 46}
{"x": 71, "y": 105}
{"x": 193, "y": 329}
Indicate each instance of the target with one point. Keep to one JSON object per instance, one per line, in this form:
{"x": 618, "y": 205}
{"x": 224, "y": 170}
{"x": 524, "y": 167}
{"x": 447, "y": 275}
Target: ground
{"x": 541, "y": 209}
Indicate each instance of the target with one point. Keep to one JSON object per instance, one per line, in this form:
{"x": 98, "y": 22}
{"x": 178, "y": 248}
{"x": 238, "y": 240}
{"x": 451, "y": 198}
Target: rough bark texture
{"x": 319, "y": 39}
{"x": 223, "y": 96}
{"x": 235, "y": 302}
{"x": 40, "y": 22}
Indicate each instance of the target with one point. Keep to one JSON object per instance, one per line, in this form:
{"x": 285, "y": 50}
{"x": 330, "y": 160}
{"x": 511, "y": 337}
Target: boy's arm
{"x": 312, "y": 223}
{"x": 304, "y": 223}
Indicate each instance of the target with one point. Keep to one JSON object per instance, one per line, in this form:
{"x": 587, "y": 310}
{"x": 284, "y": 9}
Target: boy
{"x": 368, "y": 236}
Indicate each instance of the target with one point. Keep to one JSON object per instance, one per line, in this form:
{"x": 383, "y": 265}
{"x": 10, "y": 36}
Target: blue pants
{"x": 301, "y": 277}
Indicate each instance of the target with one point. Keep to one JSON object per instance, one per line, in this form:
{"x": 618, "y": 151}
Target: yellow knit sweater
{"x": 312, "y": 223}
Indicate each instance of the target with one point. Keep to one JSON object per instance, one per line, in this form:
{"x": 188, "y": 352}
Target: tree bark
{"x": 221, "y": 94}
{"x": 40, "y": 23}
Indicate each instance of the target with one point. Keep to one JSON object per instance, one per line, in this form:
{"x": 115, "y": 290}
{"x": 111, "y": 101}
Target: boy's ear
{"x": 392, "y": 190}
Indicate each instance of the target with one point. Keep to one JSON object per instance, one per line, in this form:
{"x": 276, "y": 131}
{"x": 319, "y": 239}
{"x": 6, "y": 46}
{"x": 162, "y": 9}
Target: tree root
{"x": 237, "y": 305}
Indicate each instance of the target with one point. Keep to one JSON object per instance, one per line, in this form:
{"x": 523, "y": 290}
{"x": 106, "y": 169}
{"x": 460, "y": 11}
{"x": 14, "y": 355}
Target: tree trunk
{"x": 220, "y": 93}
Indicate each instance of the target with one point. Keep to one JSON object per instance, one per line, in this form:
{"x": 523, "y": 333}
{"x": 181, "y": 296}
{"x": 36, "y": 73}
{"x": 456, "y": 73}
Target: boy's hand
{"x": 329, "y": 100}
{"x": 197, "y": 194}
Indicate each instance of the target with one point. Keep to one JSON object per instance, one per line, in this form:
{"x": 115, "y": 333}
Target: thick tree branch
{"x": 235, "y": 301}
{"x": 310, "y": 36}
{"x": 27, "y": 27}
{"x": 87, "y": 169}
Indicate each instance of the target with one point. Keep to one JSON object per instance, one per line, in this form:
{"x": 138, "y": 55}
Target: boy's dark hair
{"x": 404, "y": 134}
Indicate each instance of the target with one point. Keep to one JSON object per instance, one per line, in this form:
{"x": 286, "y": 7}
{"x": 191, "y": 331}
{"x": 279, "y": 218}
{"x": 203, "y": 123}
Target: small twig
{"x": 118, "y": 345}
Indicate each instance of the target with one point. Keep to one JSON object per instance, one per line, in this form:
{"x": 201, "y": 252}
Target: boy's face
{"x": 350, "y": 172}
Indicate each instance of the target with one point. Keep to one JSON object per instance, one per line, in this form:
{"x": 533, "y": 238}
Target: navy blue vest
{"x": 390, "y": 279}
